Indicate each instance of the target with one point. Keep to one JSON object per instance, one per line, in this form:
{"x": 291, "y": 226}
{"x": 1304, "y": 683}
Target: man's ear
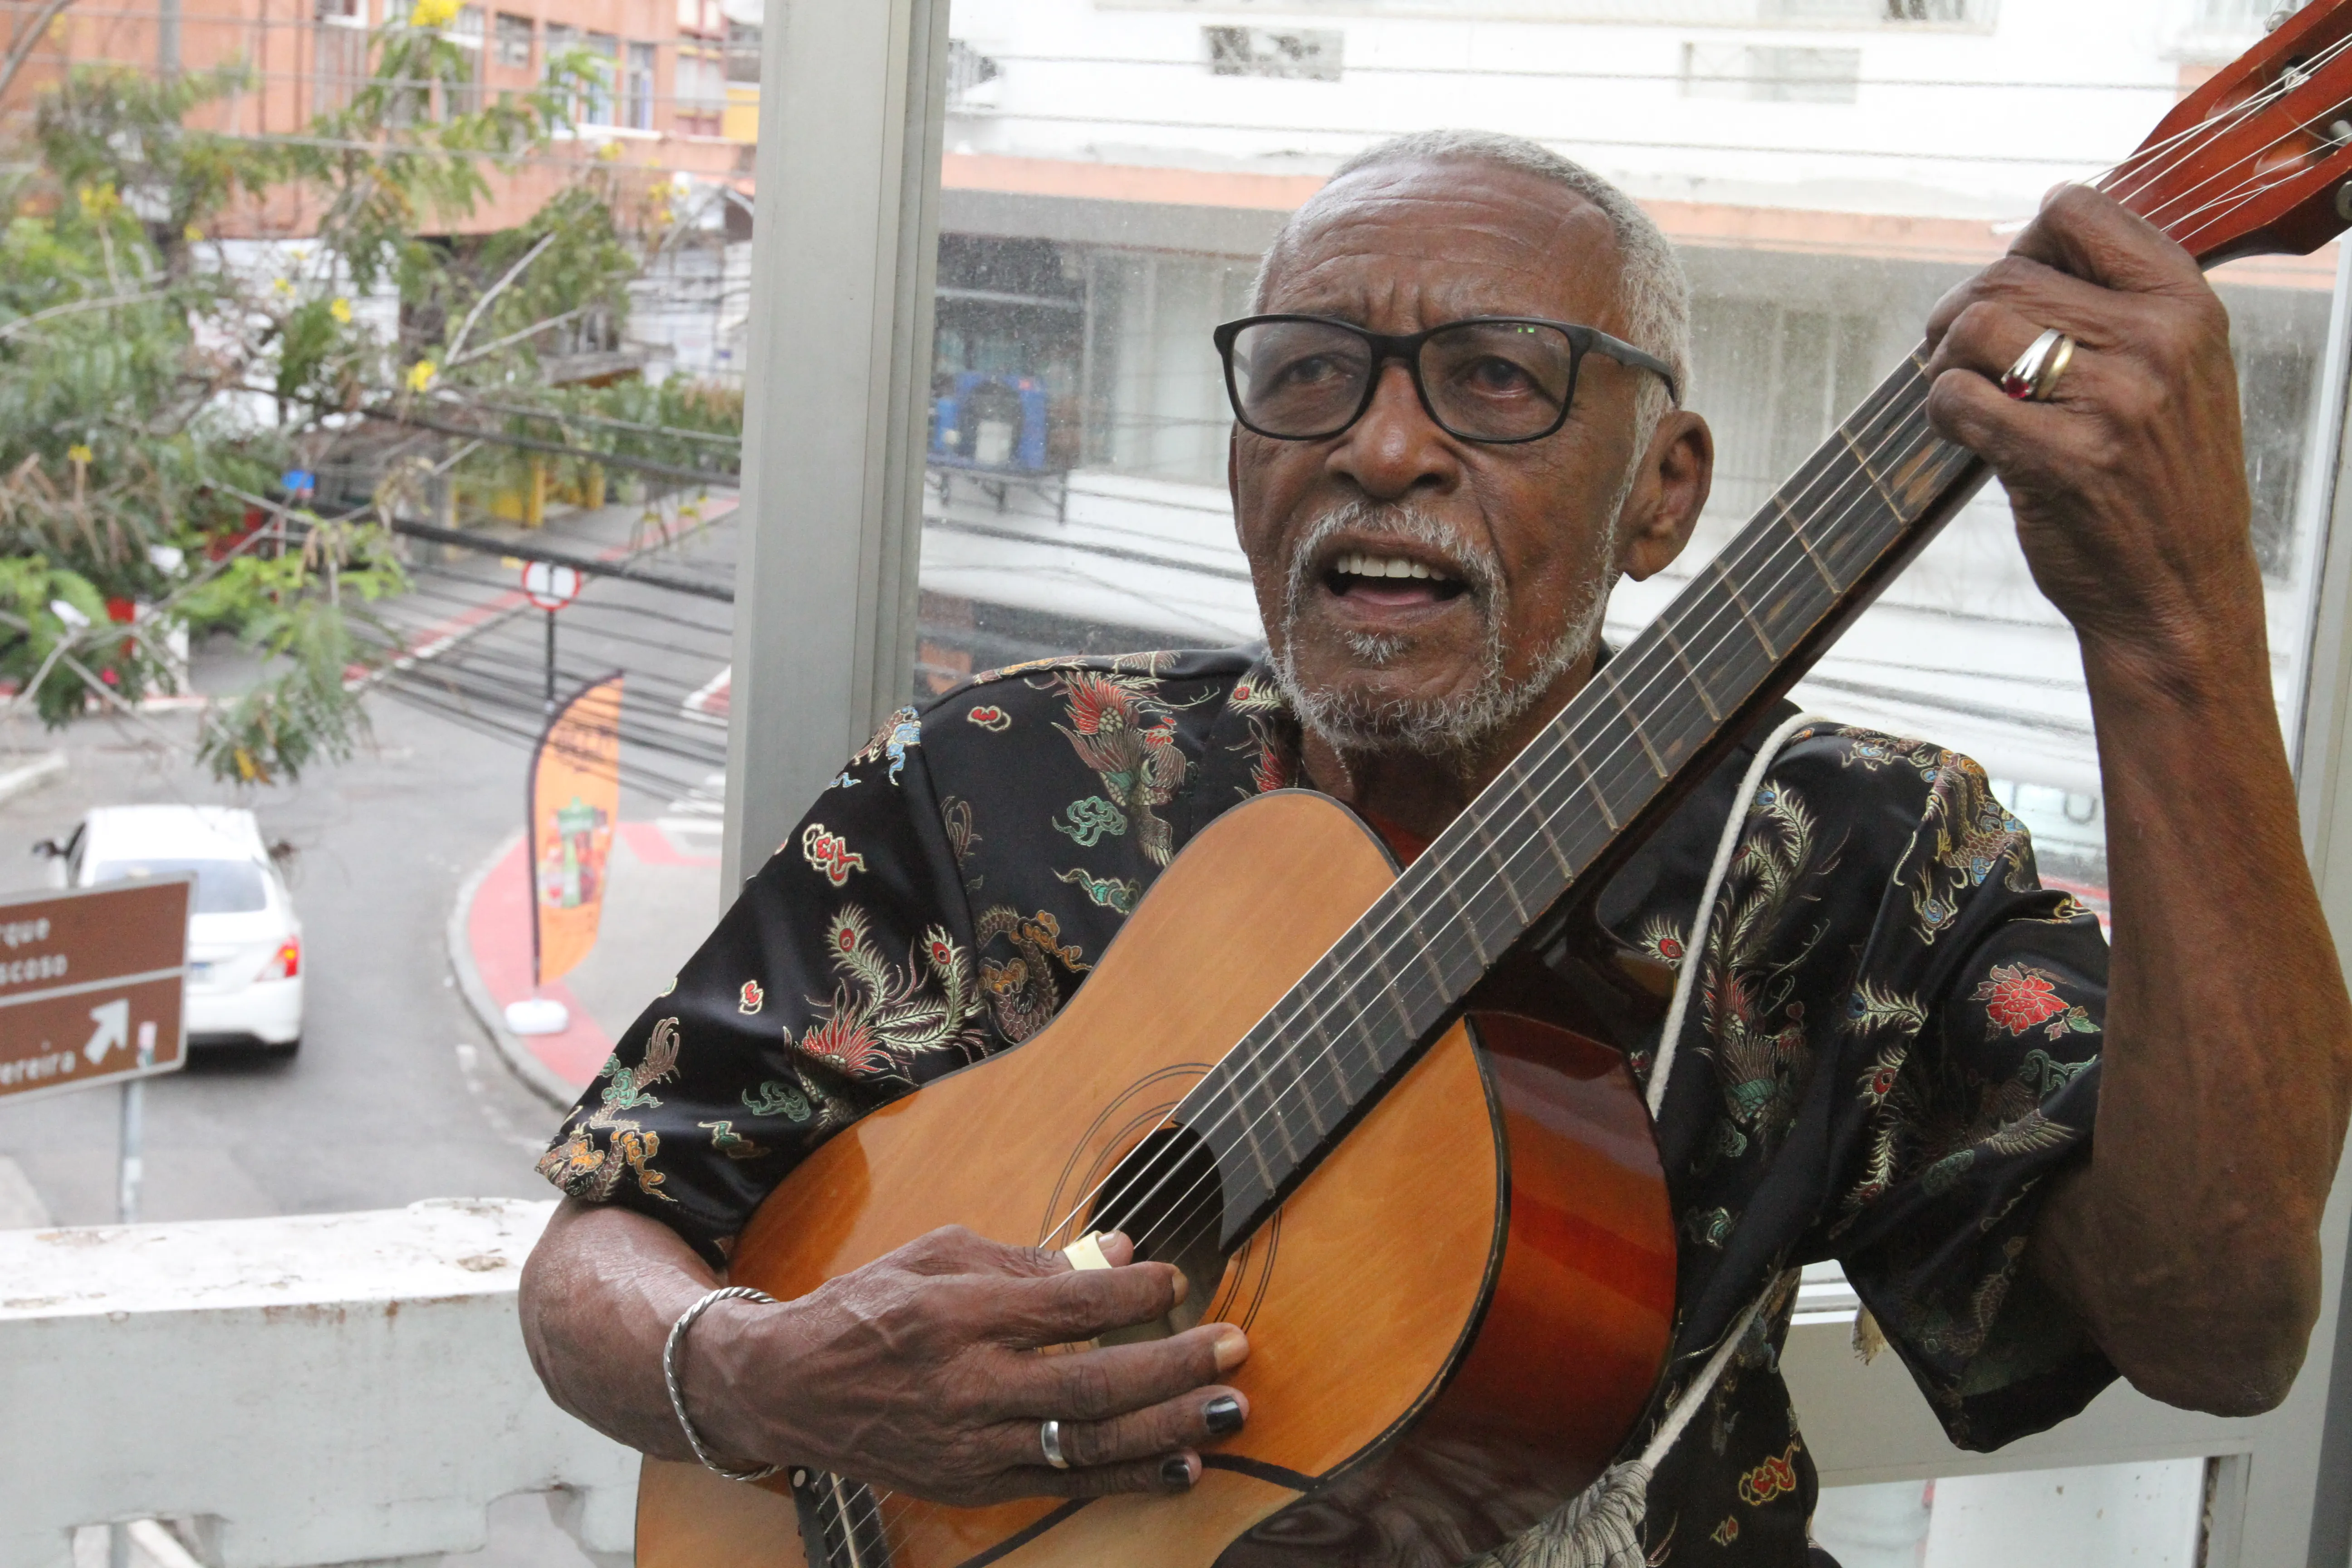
{"x": 1668, "y": 496}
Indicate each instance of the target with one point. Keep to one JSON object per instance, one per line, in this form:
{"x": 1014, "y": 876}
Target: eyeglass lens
{"x": 1486, "y": 381}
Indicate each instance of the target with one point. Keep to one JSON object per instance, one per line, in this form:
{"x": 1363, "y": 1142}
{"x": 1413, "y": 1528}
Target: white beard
{"x": 1457, "y": 730}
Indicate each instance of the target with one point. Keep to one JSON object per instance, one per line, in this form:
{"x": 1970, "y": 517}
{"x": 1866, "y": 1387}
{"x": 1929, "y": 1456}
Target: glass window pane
{"x": 223, "y": 887}
{"x": 1113, "y": 172}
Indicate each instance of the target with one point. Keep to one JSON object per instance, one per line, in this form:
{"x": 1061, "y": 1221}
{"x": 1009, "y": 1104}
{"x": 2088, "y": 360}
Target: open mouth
{"x": 1390, "y": 581}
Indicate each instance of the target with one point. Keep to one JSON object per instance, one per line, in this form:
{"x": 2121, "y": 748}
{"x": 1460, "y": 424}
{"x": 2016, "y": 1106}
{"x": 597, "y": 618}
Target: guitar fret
{"x": 1543, "y": 825}
{"x": 1276, "y": 1094}
{"x": 1697, "y": 685}
{"x": 1798, "y": 531}
{"x": 1326, "y": 1057}
{"x": 1862, "y": 461}
{"x": 1495, "y": 857}
{"x": 1591, "y": 787}
{"x": 1468, "y": 922}
{"x": 1244, "y": 1127}
{"x": 1657, "y": 763}
{"x": 1746, "y": 614}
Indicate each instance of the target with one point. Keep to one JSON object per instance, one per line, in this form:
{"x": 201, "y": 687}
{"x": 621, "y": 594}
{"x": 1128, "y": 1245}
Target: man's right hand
{"x": 920, "y": 1372}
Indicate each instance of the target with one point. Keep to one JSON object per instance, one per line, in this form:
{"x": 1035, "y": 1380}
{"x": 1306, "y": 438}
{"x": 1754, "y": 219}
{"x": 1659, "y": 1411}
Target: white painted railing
{"x": 329, "y": 1389}
{"x": 352, "y": 1389}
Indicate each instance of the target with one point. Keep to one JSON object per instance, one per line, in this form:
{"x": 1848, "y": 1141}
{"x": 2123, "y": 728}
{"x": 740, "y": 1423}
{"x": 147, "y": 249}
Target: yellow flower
{"x": 341, "y": 310}
{"x": 98, "y": 201}
{"x": 609, "y": 150}
{"x": 661, "y": 215}
{"x": 79, "y": 453}
{"x": 420, "y": 375}
{"x": 283, "y": 285}
{"x": 433, "y": 13}
{"x": 193, "y": 234}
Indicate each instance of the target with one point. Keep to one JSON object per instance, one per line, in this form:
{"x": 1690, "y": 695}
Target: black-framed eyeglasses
{"x": 1499, "y": 379}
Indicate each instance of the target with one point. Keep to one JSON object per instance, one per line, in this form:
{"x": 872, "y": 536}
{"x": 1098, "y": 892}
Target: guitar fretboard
{"x": 1742, "y": 632}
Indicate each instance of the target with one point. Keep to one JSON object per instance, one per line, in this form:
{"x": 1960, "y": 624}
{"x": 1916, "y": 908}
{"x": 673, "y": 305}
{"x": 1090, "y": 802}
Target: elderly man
{"x": 1901, "y": 1039}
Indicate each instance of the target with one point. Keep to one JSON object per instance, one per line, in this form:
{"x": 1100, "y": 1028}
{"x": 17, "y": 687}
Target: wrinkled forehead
{"x": 1405, "y": 246}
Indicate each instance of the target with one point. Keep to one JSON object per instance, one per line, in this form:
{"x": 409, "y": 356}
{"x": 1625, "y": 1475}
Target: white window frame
{"x": 852, "y": 104}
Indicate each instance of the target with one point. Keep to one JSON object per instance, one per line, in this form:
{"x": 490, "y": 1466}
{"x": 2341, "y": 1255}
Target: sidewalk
{"x": 663, "y": 899}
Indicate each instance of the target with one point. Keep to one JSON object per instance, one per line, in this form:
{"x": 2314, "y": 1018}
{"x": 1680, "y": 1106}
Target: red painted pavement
{"x": 497, "y": 927}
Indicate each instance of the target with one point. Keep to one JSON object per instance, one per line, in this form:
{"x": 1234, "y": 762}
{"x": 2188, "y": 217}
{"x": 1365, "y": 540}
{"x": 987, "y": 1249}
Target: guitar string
{"x": 1307, "y": 1009}
{"x": 874, "y": 1512}
{"x": 1796, "y": 566}
{"x": 2329, "y": 145}
{"x": 2149, "y": 172}
{"x": 1309, "y": 1018}
{"x": 879, "y": 1508}
{"x": 1312, "y": 1010}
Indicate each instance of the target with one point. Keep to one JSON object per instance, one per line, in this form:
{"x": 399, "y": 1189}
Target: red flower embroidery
{"x": 829, "y": 855}
{"x": 1670, "y": 947}
{"x": 1776, "y": 1475}
{"x": 752, "y": 997}
{"x": 990, "y": 718}
{"x": 2018, "y": 998}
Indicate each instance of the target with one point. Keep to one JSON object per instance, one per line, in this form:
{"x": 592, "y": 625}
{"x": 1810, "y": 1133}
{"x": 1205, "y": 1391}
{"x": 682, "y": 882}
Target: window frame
{"x": 852, "y": 109}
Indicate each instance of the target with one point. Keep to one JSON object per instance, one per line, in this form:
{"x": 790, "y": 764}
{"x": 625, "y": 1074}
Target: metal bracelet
{"x": 670, "y": 1348}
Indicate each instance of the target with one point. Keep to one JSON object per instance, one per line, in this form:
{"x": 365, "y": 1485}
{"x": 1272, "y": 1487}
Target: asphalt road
{"x": 397, "y": 1093}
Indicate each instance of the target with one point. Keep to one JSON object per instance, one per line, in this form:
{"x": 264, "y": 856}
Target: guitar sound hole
{"x": 1167, "y": 1199}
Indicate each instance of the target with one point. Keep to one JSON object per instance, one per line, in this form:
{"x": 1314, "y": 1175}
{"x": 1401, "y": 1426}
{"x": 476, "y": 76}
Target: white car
{"x": 245, "y": 945}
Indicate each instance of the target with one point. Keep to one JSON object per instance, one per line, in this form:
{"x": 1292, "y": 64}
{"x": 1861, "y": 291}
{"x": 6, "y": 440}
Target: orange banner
{"x": 575, "y": 798}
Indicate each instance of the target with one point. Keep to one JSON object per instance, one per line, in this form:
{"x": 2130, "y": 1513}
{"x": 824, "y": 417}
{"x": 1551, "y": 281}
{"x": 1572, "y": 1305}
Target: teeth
{"x": 1362, "y": 565}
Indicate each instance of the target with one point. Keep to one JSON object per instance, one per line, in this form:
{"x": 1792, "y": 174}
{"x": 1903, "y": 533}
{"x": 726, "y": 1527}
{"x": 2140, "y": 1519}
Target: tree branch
{"x": 20, "y": 47}
{"x": 491, "y": 293}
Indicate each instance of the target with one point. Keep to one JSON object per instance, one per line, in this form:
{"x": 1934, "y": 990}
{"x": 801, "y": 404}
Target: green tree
{"x": 152, "y": 389}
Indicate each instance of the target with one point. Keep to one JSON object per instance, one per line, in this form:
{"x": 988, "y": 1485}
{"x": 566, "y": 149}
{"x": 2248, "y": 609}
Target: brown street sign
{"x": 90, "y": 986}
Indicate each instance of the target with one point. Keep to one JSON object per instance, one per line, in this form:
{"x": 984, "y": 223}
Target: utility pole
{"x": 167, "y": 38}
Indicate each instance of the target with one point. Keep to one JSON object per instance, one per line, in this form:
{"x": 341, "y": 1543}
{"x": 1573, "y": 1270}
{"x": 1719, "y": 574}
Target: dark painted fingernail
{"x": 1222, "y": 1416}
{"x": 1176, "y": 1472}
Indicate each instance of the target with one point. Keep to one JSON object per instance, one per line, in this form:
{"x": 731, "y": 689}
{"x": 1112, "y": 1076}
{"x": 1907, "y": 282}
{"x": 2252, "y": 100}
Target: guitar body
{"x": 1455, "y": 1321}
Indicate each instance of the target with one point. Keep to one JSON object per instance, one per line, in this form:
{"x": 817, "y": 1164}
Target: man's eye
{"x": 1496, "y": 377}
{"x": 1312, "y": 370}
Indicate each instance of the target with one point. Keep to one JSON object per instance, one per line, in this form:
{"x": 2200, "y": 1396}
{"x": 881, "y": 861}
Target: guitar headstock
{"x": 2257, "y": 161}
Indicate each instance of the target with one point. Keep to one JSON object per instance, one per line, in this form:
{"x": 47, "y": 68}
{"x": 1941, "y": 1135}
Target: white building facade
{"x": 1827, "y": 167}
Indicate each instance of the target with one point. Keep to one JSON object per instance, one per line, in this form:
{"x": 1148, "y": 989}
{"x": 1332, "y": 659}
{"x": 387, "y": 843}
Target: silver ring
{"x": 1049, "y": 1439}
{"x": 2036, "y": 375}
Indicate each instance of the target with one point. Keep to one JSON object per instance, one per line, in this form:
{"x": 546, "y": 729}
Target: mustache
{"x": 1480, "y": 571}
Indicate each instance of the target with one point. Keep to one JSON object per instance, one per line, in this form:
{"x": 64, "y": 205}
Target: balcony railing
{"x": 327, "y": 1389}
{"x": 352, "y": 1389}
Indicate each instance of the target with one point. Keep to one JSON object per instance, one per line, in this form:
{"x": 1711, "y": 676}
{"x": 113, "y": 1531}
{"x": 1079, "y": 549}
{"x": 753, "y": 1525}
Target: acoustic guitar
{"x": 1433, "y": 1201}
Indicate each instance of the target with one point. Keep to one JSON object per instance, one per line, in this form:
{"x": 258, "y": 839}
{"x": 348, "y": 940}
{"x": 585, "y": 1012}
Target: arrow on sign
{"x": 113, "y": 1022}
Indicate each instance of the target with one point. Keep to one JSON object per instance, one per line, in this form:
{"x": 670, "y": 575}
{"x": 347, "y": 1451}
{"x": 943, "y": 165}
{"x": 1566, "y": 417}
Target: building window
{"x": 513, "y": 39}
{"x": 743, "y": 54}
{"x": 1310, "y": 54}
{"x": 1771, "y": 74}
{"x": 637, "y": 89}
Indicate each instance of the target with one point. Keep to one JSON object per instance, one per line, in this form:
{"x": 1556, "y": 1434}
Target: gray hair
{"x": 1653, "y": 291}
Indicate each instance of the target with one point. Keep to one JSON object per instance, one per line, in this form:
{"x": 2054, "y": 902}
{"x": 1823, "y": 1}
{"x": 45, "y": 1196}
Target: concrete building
{"x": 1828, "y": 168}
{"x": 666, "y": 107}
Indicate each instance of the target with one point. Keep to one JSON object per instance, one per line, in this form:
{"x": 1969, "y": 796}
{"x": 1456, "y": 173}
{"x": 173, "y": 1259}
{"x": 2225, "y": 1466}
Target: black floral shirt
{"x": 1894, "y": 1040}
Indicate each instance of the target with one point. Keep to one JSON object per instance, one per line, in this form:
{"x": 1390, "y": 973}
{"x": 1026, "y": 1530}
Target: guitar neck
{"x": 1584, "y": 794}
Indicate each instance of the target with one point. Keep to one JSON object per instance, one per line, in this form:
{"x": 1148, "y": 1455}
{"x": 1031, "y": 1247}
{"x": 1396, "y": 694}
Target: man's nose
{"x": 1396, "y": 449}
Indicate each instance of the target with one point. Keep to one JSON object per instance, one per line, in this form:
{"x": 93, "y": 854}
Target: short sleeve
{"x": 1974, "y": 1097}
{"x": 842, "y": 977}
